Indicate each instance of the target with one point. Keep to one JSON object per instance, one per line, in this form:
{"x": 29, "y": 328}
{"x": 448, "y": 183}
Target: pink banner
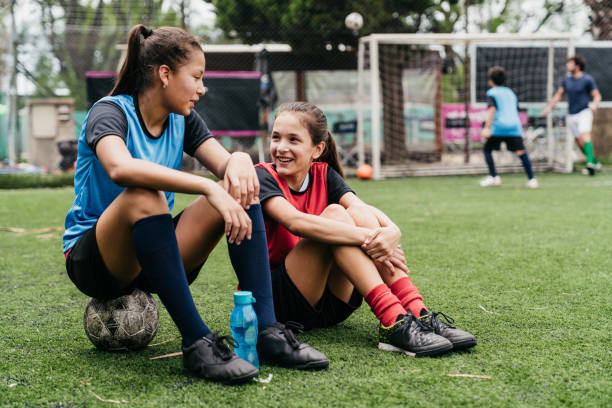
{"x": 453, "y": 118}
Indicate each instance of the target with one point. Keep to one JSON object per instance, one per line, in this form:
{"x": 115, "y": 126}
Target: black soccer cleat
{"x": 460, "y": 338}
{"x": 278, "y": 345}
{"x": 411, "y": 337}
{"x": 212, "y": 359}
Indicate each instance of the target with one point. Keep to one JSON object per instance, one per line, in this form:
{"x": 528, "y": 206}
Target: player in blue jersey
{"x": 583, "y": 98}
{"x": 119, "y": 232}
{"x": 503, "y": 125}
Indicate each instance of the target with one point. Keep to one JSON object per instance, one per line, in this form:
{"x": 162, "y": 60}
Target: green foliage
{"x": 21, "y": 181}
{"x": 527, "y": 271}
{"x": 84, "y": 37}
{"x": 309, "y": 25}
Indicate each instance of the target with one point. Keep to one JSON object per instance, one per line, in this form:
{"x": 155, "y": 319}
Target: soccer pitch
{"x": 529, "y": 272}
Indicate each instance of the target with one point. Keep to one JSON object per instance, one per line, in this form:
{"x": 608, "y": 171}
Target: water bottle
{"x": 243, "y": 324}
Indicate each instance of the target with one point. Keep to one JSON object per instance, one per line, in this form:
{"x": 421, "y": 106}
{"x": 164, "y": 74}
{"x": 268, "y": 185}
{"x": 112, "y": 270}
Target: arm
{"x": 236, "y": 170}
{"x": 126, "y": 171}
{"x": 383, "y": 245}
{"x": 314, "y": 227}
{"x": 596, "y": 95}
{"x": 486, "y": 129}
{"x": 556, "y": 98}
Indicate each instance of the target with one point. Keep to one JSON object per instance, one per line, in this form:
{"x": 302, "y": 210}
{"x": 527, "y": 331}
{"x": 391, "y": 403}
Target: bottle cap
{"x": 243, "y": 297}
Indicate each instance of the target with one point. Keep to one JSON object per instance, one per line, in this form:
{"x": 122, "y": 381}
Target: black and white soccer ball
{"x": 123, "y": 324}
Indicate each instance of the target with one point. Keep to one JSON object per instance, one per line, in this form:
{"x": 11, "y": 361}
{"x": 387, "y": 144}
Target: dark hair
{"x": 148, "y": 49}
{"x": 497, "y": 75}
{"x": 315, "y": 121}
{"x": 578, "y": 60}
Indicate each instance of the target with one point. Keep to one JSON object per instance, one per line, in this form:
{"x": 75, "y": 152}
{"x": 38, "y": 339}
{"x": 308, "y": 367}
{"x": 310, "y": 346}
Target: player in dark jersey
{"x": 119, "y": 232}
{"x": 582, "y": 99}
{"x": 329, "y": 250}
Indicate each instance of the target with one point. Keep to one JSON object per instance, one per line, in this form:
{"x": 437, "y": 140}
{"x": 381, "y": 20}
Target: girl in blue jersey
{"x": 119, "y": 232}
{"x": 329, "y": 250}
{"x": 503, "y": 125}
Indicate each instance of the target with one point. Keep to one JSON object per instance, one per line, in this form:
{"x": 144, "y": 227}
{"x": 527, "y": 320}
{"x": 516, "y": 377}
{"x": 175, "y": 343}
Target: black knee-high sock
{"x": 157, "y": 251}
{"x": 489, "y": 159}
{"x": 250, "y": 261}
{"x": 526, "y": 165}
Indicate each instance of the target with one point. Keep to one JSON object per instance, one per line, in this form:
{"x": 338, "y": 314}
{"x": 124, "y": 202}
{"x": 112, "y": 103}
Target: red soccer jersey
{"x": 313, "y": 201}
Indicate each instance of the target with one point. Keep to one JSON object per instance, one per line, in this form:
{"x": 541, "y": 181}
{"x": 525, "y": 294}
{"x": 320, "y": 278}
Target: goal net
{"x": 414, "y": 91}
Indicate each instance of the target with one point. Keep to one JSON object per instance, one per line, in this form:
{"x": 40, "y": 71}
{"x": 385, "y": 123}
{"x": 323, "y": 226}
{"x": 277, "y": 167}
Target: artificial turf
{"x": 529, "y": 272}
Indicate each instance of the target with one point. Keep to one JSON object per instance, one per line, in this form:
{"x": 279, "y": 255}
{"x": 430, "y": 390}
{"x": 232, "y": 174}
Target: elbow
{"x": 119, "y": 175}
{"x": 296, "y": 226}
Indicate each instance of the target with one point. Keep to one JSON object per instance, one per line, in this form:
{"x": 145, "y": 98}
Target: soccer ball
{"x": 354, "y": 21}
{"x": 126, "y": 323}
{"x": 365, "y": 172}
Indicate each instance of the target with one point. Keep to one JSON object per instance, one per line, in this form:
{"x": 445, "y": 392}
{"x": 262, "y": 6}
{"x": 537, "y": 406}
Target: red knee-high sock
{"x": 384, "y": 304}
{"x": 409, "y": 295}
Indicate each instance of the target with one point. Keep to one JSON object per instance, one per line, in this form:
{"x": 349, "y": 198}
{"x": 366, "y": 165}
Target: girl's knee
{"x": 143, "y": 202}
{"x": 338, "y": 213}
{"x": 362, "y": 216}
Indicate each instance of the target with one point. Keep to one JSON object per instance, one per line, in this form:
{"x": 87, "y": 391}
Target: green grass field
{"x": 528, "y": 272}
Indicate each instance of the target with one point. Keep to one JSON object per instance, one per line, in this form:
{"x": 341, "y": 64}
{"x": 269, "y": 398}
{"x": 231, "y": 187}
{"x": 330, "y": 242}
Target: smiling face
{"x": 184, "y": 85}
{"x": 292, "y": 149}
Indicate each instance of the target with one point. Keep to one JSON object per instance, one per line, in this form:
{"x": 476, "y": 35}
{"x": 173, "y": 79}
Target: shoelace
{"x": 424, "y": 327}
{"x": 288, "y": 329}
{"x": 220, "y": 347}
{"x": 436, "y": 323}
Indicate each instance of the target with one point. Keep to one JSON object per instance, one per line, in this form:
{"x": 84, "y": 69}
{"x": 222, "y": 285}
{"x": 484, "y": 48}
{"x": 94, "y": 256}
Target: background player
{"x": 583, "y": 97}
{"x": 328, "y": 249}
{"x": 503, "y": 125}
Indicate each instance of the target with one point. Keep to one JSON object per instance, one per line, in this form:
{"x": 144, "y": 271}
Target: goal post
{"x": 417, "y": 98}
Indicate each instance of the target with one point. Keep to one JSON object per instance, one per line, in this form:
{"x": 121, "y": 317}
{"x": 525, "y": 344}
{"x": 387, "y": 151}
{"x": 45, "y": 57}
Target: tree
{"x": 314, "y": 27}
{"x": 601, "y": 18}
{"x": 83, "y": 36}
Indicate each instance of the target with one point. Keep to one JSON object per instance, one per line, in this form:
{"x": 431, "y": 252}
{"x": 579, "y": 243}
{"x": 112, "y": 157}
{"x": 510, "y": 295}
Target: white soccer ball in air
{"x": 354, "y": 21}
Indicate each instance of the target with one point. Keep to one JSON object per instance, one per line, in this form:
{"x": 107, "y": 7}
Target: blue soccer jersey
{"x": 506, "y": 122}
{"x": 578, "y": 92}
{"x": 94, "y": 190}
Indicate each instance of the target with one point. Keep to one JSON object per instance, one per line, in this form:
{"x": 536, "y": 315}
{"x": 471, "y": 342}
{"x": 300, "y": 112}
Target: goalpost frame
{"x": 468, "y": 40}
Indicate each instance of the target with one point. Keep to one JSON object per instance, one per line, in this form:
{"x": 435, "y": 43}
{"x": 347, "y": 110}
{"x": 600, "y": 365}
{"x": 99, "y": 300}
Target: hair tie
{"x": 146, "y": 32}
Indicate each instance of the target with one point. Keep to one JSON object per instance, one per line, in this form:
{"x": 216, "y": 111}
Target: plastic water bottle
{"x": 243, "y": 324}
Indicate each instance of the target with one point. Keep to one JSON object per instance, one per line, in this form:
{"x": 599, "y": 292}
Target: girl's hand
{"x": 240, "y": 179}
{"x": 396, "y": 262}
{"x": 381, "y": 245}
{"x": 486, "y": 132}
{"x": 237, "y": 223}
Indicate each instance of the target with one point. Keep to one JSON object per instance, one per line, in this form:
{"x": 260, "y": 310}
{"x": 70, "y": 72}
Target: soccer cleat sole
{"x": 311, "y": 365}
{"x": 240, "y": 380}
{"x": 423, "y": 353}
{"x": 464, "y": 344}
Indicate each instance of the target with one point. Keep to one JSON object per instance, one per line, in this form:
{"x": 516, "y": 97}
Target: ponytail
{"x": 130, "y": 75}
{"x": 330, "y": 154}
{"x": 147, "y": 50}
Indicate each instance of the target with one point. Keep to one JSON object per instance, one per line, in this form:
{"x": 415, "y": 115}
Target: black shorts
{"x": 513, "y": 143}
{"x": 87, "y": 271}
{"x": 290, "y": 304}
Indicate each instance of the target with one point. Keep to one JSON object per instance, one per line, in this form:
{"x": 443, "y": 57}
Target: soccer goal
{"x": 414, "y": 91}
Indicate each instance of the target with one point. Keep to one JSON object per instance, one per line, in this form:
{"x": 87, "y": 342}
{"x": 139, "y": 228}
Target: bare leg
{"x": 198, "y": 231}
{"x": 313, "y": 265}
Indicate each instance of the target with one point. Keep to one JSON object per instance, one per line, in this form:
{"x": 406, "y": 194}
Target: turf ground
{"x": 528, "y": 272}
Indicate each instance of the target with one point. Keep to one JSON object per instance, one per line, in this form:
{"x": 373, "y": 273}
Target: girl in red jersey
{"x": 329, "y": 250}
